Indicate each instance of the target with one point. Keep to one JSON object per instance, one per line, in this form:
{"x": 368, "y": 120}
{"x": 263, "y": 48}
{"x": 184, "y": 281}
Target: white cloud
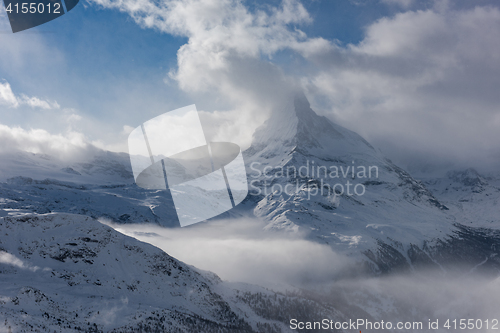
{"x": 40, "y": 141}
{"x": 127, "y": 129}
{"x": 239, "y": 250}
{"x": 400, "y": 3}
{"x": 64, "y": 140}
{"x": 8, "y": 98}
{"x": 224, "y": 58}
{"x": 420, "y": 84}
{"x": 35, "y": 102}
{"x": 420, "y": 296}
{"x": 9, "y": 259}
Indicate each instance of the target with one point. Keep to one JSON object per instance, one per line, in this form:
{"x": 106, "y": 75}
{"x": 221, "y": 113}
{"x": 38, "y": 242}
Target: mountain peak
{"x": 302, "y": 105}
{"x": 468, "y": 177}
{"x": 297, "y": 128}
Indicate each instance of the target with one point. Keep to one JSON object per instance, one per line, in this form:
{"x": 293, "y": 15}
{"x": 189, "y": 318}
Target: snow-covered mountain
{"x": 70, "y": 273}
{"x": 92, "y": 166}
{"x": 392, "y": 218}
{"x": 101, "y": 186}
{"x": 472, "y": 198}
{"x": 62, "y": 270}
{"x": 297, "y": 166}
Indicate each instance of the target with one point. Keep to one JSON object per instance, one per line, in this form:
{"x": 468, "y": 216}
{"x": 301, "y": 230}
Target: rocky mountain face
{"x": 473, "y": 199}
{"x": 69, "y": 273}
{"x": 300, "y": 166}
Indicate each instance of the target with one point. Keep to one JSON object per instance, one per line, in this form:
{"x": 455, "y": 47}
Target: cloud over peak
{"x": 421, "y": 84}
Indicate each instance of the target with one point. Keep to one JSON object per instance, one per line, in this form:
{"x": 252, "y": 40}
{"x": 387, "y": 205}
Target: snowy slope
{"x": 121, "y": 202}
{"x": 473, "y": 199}
{"x": 70, "y": 273}
{"x": 394, "y": 204}
{"x": 395, "y": 217}
{"x": 95, "y": 166}
{"x": 67, "y": 272}
{"x": 100, "y": 184}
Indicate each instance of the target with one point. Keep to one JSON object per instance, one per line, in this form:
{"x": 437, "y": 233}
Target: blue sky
{"x": 94, "y": 55}
{"x": 103, "y": 49}
{"x": 100, "y": 54}
{"x": 375, "y": 66}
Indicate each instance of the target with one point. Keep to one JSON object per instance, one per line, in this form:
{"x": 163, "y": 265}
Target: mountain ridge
{"x": 395, "y": 209}
{"x": 70, "y": 273}
{"x": 397, "y": 217}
